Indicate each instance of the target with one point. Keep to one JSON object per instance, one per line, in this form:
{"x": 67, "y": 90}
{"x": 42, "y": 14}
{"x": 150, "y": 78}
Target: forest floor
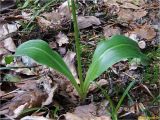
{"x": 30, "y": 91}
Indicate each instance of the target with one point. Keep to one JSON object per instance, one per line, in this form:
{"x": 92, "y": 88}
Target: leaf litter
{"x": 126, "y": 17}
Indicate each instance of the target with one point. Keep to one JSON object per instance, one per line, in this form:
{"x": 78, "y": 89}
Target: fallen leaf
{"x": 3, "y": 51}
{"x": 130, "y": 15}
{"x": 145, "y": 31}
{"x": 69, "y": 59}
{"x": 85, "y": 111}
{"x": 87, "y": 21}
{"x": 50, "y": 92}
{"x": 8, "y": 28}
{"x": 35, "y": 118}
{"x": 38, "y": 95}
{"x": 71, "y": 116}
{"x": 125, "y": 15}
{"x": 139, "y": 14}
{"x": 135, "y": 2}
{"x": 43, "y": 23}
{"x": 61, "y": 39}
{"x": 53, "y": 17}
{"x": 110, "y": 30}
{"x": 64, "y": 10}
{"x": 130, "y": 6}
{"x": 9, "y": 44}
{"x": 88, "y": 112}
{"x": 5, "y": 29}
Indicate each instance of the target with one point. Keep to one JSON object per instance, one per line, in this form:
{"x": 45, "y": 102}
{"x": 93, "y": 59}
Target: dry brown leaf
{"x": 146, "y": 32}
{"x": 25, "y": 99}
{"x": 88, "y": 112}
{"x": 125, "y": 15}
{"x": 130, "y": 15}
{"x": 3, "y": 51}
{"x": 5, "y": 29}
{"x": 9, "y": 44}
{"x": 69, "y": 59}
{"x": 64, "y": 10}
{"x": 61, "y": 39}
{"x": 130, "y": 6}
{"x": 43, "y": 23}
{"x": 53, "y": 17}
{"x": 71, "y": 116}
{"x": 35, "y": 118}
{"x": 85, "y": 111}
{"x": 36, "y": 96}
{"x": 8, "y": 28}
{"x": 135, "y": 2}
{"x": 139, "y": 14}
{"x": 87, "y": 21}
{"x": 110, "y": 30}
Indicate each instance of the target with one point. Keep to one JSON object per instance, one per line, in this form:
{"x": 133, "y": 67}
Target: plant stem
{"x": 77, "y": 40}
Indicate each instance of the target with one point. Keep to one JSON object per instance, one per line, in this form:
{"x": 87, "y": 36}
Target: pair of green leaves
{"x": 107, "y": 53}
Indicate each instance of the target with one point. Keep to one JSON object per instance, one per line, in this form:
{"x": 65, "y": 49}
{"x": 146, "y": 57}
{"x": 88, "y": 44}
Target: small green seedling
{"x": 107, "y": 53}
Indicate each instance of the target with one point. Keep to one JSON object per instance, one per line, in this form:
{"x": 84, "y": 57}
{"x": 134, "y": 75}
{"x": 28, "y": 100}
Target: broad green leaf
{"x": 109, "y": 52}
{"x": 40, "y": 51}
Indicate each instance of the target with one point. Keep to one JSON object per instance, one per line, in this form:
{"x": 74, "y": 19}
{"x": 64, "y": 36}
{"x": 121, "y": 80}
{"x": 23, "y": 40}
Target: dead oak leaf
{"x": 87, "y": 112}
{"x": 87, "y": 21}
{"x": 130, "y": 6}
{"x": 43, "y": 23}
{"x": 146, "y": 32}
{"x": 129, "y": 15}
{"x": 53, "y": 16}
{"x": 71, "y": 116}
{"x": 139, "y": 14}
{"x": 38, "y": 95}
{"x": 110, "y": 30}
